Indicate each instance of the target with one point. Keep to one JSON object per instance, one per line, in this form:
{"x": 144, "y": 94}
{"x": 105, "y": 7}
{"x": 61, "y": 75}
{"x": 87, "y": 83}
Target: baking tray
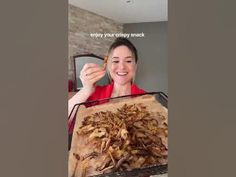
{"x": 162, "y": 98}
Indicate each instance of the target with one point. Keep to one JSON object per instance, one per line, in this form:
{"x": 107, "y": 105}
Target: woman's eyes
{"x": 116, "y": 61}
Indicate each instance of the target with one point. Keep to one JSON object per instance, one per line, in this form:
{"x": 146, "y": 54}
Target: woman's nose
{"x": 121, "y": 65}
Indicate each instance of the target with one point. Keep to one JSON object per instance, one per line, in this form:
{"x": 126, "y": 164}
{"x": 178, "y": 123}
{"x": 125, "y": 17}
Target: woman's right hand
{"x": 89, "y": 75}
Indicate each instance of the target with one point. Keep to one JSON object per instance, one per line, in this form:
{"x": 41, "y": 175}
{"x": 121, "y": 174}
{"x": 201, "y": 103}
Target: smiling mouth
{"x": 122, "y": 73}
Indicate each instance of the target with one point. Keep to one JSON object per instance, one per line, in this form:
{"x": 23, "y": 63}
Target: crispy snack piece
{"x": 105, "y": 62}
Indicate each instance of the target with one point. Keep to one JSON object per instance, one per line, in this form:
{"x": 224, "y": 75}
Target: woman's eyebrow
{"x": 128, "y": 57}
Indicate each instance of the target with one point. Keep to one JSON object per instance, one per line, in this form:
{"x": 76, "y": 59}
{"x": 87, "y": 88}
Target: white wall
{"x": 152, "y": 73}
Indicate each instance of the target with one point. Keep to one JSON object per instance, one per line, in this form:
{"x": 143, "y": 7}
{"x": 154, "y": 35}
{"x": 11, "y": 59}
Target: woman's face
{"x": 122, "y": 65}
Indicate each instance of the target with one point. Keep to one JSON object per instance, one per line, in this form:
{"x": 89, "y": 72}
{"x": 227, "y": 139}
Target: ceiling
{"x": 127, "y": 11}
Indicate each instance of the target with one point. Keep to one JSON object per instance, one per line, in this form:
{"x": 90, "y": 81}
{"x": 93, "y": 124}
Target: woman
{"x": 121, "y": 67}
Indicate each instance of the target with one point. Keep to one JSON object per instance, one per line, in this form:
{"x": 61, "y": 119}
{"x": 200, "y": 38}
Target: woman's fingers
{"x": 95, "y": 74}
{"x": 92, "y": 78}
{"x": 89, "y": 68}
{"x": 97, "y": 77}
{"x": 90, "y": 74}
{"x": 89, "y": 65}
{"x": 86, "y": 66}
{"x": 90, "y": 71}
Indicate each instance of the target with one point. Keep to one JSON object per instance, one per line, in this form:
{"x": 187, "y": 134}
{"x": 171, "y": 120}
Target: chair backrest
{"x": 80, "y": 61}
{"x": 70, "y": 85}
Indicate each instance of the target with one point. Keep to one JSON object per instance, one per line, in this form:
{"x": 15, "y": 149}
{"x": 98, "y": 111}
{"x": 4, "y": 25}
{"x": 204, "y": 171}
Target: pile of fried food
{"x": 132, "y": 137}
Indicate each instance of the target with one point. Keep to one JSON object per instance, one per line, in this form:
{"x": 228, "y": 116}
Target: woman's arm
{"x": 89, "y": 75}
{"x": 79, "y": 97}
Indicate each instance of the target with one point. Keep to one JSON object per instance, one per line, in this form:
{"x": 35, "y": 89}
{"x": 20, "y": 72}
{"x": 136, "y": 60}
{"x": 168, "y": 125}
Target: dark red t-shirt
{"x": 102, "y": 92}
